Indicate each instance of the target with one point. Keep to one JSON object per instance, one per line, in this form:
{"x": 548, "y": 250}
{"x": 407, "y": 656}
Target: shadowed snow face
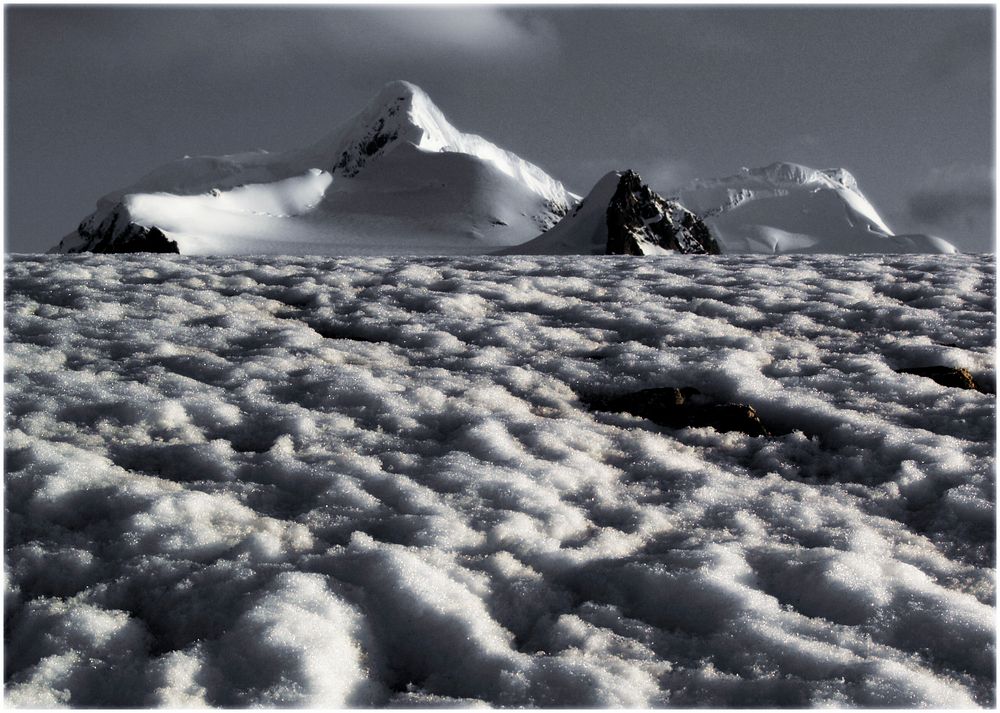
{"x": 350, "y": 482}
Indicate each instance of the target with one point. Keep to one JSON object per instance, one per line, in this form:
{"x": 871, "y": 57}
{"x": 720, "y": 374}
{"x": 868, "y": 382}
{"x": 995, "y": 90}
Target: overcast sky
{"x": 901, "y": 96}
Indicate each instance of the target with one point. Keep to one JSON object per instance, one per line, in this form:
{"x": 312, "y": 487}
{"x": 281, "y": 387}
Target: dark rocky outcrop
{"x": 137, "y": 239}
{"x": 638, "y": 219}
{"x": 957, "y": 378}
{"x": 377, "y": 137}
{"x": 682, "y": 408}
{"x": 117, "y": 234}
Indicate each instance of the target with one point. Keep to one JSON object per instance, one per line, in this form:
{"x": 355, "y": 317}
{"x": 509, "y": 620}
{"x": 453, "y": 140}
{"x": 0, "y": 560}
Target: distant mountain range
{"x": 398, "y": 178}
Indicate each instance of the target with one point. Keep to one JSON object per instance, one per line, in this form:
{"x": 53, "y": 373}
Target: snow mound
{"x": 789, "y": 208}
{"x": 245, "y": 482}
{"x": 325, "y": 199}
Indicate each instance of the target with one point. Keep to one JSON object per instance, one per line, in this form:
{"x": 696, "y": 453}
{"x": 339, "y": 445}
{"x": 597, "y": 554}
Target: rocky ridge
{"x": 117, "y": 233}
{"x": 641, "y": 222}
{"x": 623, "y": 216}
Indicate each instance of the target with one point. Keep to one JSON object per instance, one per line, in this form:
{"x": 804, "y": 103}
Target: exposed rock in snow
{"x": 789, "y": 208}
{"x": 682, "y": 408}
{"x": 396, "y": 178}
{"x": 640, "y": 222}
{"x": 622, "y": 216}
{"x": 117, "y": 233}
{"x": 955, "y": 377}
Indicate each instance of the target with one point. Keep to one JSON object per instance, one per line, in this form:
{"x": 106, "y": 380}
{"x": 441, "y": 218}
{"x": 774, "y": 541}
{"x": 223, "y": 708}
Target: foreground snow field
{"x": 371, "y": 482}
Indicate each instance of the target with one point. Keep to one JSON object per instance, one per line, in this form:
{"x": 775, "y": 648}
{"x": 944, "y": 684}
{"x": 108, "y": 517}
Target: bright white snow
{"x": 353, "y": 482}
{"x": 789, "y": 208}
{"x": 396, "y": 168}
{"x": 583, "y": 232}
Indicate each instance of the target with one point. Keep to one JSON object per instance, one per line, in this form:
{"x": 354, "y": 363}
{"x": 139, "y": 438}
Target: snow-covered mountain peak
{"x": 403, "y": 112}
{"x": 844, "y": 178}
{"x": 395, "y": 94}
{"x": 788, "y": 207}
{"x": 407, "y": 107}
{"x": 400, "y": 112}
{"x": 399, "y": 177}
{"x": 397, "y": 88}
{"x": 786, "y": 175}
{"x": 395, "y": 177}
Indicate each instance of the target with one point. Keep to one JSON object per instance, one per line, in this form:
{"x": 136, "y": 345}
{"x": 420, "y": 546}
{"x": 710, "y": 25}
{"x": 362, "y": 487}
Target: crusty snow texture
{"x": 370, "y": 482}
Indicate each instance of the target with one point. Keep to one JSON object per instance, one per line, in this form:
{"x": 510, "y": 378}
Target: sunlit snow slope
{"x": 788, "y": 208}
{"x": 397, "y": 178}
{"x": 371, "y": 482}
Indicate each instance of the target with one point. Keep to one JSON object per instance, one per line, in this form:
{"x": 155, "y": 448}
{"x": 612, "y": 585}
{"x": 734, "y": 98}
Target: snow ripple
{"x": 370, "y": 482}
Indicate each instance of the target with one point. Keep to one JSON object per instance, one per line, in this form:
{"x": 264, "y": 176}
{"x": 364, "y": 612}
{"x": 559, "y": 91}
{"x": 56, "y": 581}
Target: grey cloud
{"x": 243, "y": 44}
{"x": 961, "y": 51}
{"x": 484, "y": 31}
{"x": 666, "y": 175}
{"x": 376, "y": 36}
{"x": 955, "y": 194}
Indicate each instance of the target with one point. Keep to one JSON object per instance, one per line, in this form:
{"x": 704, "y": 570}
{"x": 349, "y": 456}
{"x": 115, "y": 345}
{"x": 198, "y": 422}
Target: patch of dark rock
{"x": 353, "y": 160}
{"x": 376, "y": 142}
{"x": 109, "y": 237}
{"x": 684, "y": 407}
{"x": 497, "y": 221}
{"x": 639, "y": 219}
{"x": 956, "y": 378}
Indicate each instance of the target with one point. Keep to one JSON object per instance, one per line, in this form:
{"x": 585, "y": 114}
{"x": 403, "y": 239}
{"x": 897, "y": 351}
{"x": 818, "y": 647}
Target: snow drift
{"x": 396, "y": 178}
{"x": 371, "y": 482}
{"x": 789, "y": 208}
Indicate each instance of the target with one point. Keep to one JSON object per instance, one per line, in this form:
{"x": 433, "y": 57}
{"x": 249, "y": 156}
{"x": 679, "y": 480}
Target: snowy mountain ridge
{"x": 786, "y": 207}
{"x": 397, "y": 168}
{"x": 717, "y": 195}
{"x": 399, "y": 178}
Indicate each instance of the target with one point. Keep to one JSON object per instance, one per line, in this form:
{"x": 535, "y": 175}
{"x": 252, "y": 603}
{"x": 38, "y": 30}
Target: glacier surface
{"x": 371, "y": 482}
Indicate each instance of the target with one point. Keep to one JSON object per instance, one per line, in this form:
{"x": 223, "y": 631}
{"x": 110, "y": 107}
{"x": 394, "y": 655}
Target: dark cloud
{"x": 956, "y": 194}
{"x": 955, "y": 202}
{"x": 961, "y": 52}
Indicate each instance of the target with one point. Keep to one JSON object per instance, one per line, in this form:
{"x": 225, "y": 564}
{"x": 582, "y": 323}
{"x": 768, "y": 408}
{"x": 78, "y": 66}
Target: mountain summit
{"x": 402, "y": 112}
{"x": 395, "y": 178}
